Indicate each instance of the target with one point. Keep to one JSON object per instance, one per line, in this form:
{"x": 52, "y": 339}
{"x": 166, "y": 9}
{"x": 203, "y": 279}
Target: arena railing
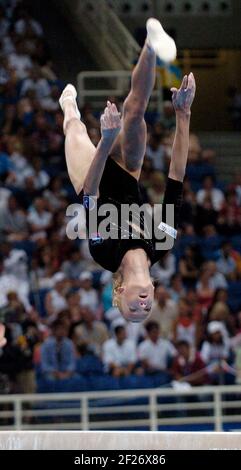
{"x": 209, "y": 408}
{"x": 110, "y": 83}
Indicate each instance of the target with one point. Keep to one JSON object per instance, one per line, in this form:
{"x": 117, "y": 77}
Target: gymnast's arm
{"x": 110, "y": 127}
{"x": 2, "y": 336}
{"x": 182, "y": 100}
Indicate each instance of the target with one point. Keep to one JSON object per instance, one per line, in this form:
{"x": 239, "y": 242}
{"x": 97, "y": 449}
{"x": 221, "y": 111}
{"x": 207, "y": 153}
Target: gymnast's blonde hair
{"x": 117, "y": 282}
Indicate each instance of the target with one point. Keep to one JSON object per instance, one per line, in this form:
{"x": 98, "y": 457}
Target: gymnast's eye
{"x": 132, "y": 309}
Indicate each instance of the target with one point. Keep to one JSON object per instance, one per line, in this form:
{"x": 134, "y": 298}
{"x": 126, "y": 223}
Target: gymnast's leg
{"x": 134, "y": 126}
{"x": 79, "y": 150}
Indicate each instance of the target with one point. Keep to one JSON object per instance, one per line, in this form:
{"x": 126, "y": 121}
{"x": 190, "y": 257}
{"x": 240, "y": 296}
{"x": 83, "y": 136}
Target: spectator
{"x": 57, "y": 354}
{"x": 164, "y": 311}
{"x": 13, "y": 220}
{"x": 90, "y": 334}
{"x": 216, "y": 195}
{"x": 164, "y": 269}
{"x": 119, "y": 354}
{"x": 176, "y": 289}
{"x": 216, "y": 349}
{"x": 155, "y": 353}
{"x": 55, "y": 300}
{"x": 188, "y": 365}
{"x": 88, "y": 295}
{"x": 39, "y": 218}
{"x": 185, "y": 326}
{"x": 20, "y": 60}
{"x": 188, "y": 266}
{"x": 226, "y": 261}
{"x": 73, "y": 267}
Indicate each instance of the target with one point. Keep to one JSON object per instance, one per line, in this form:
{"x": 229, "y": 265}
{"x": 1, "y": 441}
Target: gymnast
{"x": 110, "y": 172}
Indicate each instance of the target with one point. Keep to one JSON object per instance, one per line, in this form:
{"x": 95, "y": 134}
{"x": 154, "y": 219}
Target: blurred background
{"x": 71, "y": 361}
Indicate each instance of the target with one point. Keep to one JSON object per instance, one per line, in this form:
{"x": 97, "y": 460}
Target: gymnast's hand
{"x": 2, "y": 338}
{"x": 183, "y": 97}
{"x": 110, "y": 122}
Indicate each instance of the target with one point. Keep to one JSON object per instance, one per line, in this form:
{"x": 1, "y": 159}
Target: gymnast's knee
{"x": 75, "y": 125}
{"x": 134, "y": 108}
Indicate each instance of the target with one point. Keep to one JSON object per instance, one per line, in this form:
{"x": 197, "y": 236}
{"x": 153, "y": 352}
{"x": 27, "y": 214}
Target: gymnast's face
{"x": 136, "y": 301}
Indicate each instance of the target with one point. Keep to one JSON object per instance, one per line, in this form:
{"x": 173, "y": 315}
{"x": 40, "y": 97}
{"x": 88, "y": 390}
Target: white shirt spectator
{"x": 10, "y": 283}
{"x": 134, "y": 331}
{"x": 156, "y": 156}
{"x": 162, "y": 272}
{"x": 214, "y": 352}
{"x": 39, "y": 219}
{"x": 89, "y": 298}
{"x": 20, "y": 27}
{"x": 4, "y": 25}
{"x": 156, "y": 354}
{"x": 4, "y": 195}
{"x": 21, "y": 64}
{"x": 40, "y": 178}
{"x": 119, "y": 354}
{"x": 40, "y": 86}
{"x": 216, "y": 195}
{"x": 17, "y": 264}
{"x": 58, "y": 302}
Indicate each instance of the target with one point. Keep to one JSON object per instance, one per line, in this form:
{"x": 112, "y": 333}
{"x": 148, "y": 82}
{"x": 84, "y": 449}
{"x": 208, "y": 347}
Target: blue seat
{"x": 89, "y": 365}
{"x": 236, "y": 243}
{"x": 234, "y": 295}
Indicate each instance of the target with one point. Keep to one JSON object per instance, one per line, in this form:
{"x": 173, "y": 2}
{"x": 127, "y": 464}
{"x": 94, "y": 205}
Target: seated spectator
{"x": 205, "y": 215}
{"x": 226, "y": 262}
{"x": 155, "y": 352}
{"x": 216, "y": 349}
{"x": 26, "y": 25}
{"x": 205, "y": 290}
{"x": 164, "y": 311}
{"x": 90, "y": 334}
{"x": 73, "y": 267}
{"x": 39, "y": 177}
{"x": 155, "y": 152}
{"x": 217, "y": 279}
{"x": 10, "y": 283}
{"x": 27, "y": 342}
{"x": 39, "y": 218}
{"x": 163, "y": 270}
{"x": 156, "y": 189}
{"x": 36, "y": 83}
{"x": 134, "y": 331}
{"x": 20, "y": 61}
{"x": 73, "y": 306}
{"x": 57, "y": 354}
{"x": 119, "y": 354}
{"x": 216, "y": 195}
{"x": 13, "y": 220}
{"x": 15, "y": 261}
{"x": 88, "y": 295}
{"x": 188, "y": 266}
{"x": 185, "y": 326}
{"x": 55, "y": 300}
{"x": 14, "y": 310}
{"x": 176, "y": 289}
{"x": 188, "y": 365}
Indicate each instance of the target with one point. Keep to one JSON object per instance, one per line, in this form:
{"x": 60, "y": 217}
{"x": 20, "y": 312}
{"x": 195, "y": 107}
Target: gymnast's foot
{"x": 162, "y": 44}
{"x": 68, "y": 104}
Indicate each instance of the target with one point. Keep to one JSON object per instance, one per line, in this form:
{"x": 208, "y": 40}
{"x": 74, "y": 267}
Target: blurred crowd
{"x": 63, "y": 332}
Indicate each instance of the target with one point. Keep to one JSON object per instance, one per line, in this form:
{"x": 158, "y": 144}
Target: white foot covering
{"x": 69, "y": 93}
{"x": 162, "y": 44}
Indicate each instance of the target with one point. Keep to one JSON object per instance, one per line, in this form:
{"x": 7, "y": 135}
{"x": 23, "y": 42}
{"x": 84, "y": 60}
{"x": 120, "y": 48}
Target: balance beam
{"x": 115, "y": 440}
